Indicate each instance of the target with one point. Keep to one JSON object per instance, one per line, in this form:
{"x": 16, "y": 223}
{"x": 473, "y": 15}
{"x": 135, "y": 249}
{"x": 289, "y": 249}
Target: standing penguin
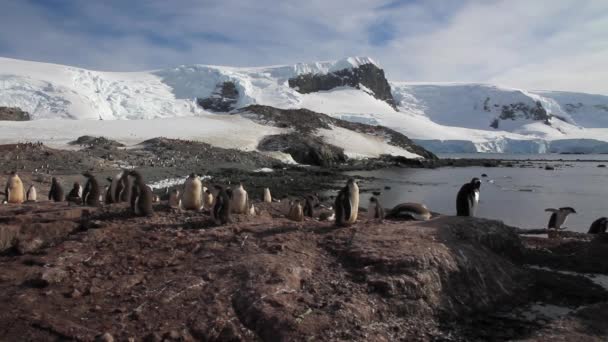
{"x": 296, "y": 213}
{"x": 240, "y": 200}
{"x": 599, "y": 226}
{"x": 31, "y": 195}
{"x": 208, "y": 200}
{"x": 192, "y": 198}
{"x": 74, "y": 194}
{"x": 221, "y": 207}
{"x": 347, "y": 204}
{"x": 310, "y": 202}
{"x": 559, "y": 216}
{"x": 14, "y": 189}
{"x": 141, "y": 196}
{"x": 267, "y": 197}
{"x": 468, "y": 198}
{"x": 56, "y": 191}
{"x": 375, "y": 210}
{"x": 109, "y": 197}
{"x": 174, "y": 201}
{"x": 91, "y": 192}
{"x": 124, "y": 188}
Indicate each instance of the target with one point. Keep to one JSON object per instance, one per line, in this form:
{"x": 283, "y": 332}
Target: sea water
{"x": 517, "y": 196}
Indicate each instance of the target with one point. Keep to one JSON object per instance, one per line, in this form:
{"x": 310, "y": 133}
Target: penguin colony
{"x": 221, "y": 202}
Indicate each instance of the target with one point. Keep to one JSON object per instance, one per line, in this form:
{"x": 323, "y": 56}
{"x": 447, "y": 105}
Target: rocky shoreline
{"x": 79, "y": 273}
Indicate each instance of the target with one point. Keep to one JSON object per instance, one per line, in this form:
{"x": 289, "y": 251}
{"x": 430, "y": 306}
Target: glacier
{"x": 65, "y": 102}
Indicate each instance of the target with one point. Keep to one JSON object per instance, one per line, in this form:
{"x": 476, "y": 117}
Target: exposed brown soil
{"x": 77, "y": 273}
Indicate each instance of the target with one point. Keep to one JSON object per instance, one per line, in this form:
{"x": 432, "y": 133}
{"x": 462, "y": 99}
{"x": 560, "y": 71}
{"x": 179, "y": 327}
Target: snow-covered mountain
{"x": 184, "y": 102}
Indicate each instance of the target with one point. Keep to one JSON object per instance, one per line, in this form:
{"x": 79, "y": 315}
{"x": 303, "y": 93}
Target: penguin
{"x": 56, "y": 191}
{"x": 251, "y": 211}
{"x": 208, "y": 200}
{"x": 91, "y": 191}
{"x": 192, "y": 198}
{"x": 14, "y": 191}
{"x": 296, "y": 212}
{"x": 221, "y": 206}
{"x": 310, "y": 202}
{"x": 559, "y": 216}
{"x": 124, "y": 189}
{"x": 31, "y": 195}
{"x": 267, "y": 197}
{"x": 240, "y": 200}
{"x": 141, "y": 196}
{"x": 375, "y": 210}
{"x": 347, "y": 204}
{"x": 80, "y": 190}
{"x": 174, "y": 200}
{"x": 599, "y": 226}
{"x": 73, "y": 195}
{"x": 468, "y": 198}
{"x": 409, "y": 211}
{"x": 108, "y": 191}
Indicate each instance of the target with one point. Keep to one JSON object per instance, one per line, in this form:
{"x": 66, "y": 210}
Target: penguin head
{"x": 476, "y": 183}
{"x": 53, "y": 180}
{"x": 76, "y": 185}
{"x": 351, "y": 181}
{"x": 604, "y": 222}
{"x": 192, "y": 175}
{"x": 373, "y": 199}
{"x": 109, "y": 179}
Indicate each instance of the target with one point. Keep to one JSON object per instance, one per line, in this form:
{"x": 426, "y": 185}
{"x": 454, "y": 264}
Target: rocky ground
{"x": 77, "y": 273}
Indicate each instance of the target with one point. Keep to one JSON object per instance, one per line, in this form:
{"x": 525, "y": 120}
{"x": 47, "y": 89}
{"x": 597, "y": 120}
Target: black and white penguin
{"x": 409, "y": 211}
{"x": 124, "y": 188}
{"x": 74, "y": 194}
{"x": 141, "y": 196}
{"x": 31, "y": 195}
{"x": 310, "y": 203}
{"x": 599, "y": 226}
{"x": 56, "y": 191}
{"x": 90, "y": 195}
{"x": 109, "y": 198}
{"x": 468, "y": 198}
{"x": 174, "y": 199}
{"x": 267, "y": 197}
{"x": 221, "y": 207}
{"x": 559, "y": 216}
{"x": 347, "y": 204}
{"x": 375, "y": 210}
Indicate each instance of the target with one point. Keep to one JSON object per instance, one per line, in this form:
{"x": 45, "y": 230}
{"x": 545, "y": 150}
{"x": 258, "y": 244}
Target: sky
{"x": 530, "y": 44}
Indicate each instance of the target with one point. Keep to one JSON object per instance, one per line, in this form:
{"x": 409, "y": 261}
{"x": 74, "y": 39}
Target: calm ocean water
{"x": 517, "y": 196}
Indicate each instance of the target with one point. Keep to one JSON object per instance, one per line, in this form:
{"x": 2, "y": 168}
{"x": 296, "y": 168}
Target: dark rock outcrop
{"x": 304, "y": 149}
{"x": 306, "y": 122}
{"x": 13, "y": 114}
{"x": 93, "y": 142}
{"x": 367, "y": 75}
{"x": 223, "y": 99}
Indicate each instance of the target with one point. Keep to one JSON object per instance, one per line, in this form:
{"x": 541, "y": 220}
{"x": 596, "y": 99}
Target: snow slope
{"x": 443, "y": 117}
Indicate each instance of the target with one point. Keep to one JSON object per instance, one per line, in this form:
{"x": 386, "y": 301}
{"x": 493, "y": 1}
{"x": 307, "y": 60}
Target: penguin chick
{"x": 192, "y": 198}
{"x": 14, "y": 191}
{"x": 240, "y": 200}
{"x": 267, "y": 197}
{"x": 141, "y": 197}
{"x": 174, "y": 200}
{"x": 31, "y": 195}
{"x": 296, "y": 212}
{"x": 375, "y": 210}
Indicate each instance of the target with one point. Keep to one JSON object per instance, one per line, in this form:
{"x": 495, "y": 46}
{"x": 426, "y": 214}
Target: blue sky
{"x": 540, "y": 44}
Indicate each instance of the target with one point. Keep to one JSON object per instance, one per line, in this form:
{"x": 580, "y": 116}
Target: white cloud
{"x": 549, "y": 44}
